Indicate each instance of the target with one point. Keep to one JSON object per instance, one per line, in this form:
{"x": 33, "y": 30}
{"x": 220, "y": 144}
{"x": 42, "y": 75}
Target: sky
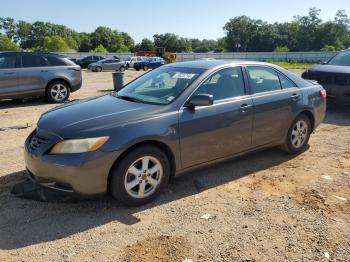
{"x": 144, "y": 18}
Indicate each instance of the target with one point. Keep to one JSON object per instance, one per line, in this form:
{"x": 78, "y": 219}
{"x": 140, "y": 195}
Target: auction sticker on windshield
{"x": 183, "y": 76}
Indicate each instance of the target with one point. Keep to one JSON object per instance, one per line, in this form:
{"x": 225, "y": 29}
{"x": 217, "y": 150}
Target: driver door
{"x": 222, "y": 129}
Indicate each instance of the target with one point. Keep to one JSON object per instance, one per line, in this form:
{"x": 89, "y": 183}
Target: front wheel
{"x": 298, "y": 135}
{"x": 57, "y": 92}
{"x": 98, "y": 69}
{"x": 140, "y": 176}
{"x": 122, "y": 69}
{"x": 145, "y": 68}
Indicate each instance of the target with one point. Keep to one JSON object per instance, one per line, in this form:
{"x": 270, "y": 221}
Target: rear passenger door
{"x": 276, "y": 99}
{"x": 8, "y": 74}
{"x": 32, "y": 73}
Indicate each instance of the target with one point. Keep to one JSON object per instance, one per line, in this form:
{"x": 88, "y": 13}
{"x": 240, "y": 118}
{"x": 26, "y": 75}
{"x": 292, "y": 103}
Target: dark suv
{"x": 87, "y": 60}
{"x": 26, "y": 74}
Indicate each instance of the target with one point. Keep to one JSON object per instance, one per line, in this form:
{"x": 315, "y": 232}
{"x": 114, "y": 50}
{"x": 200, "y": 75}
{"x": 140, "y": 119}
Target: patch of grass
{"x": 293, "y": 65}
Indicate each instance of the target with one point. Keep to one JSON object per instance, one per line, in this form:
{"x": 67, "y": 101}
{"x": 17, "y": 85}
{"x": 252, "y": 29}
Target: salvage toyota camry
{"x": 173, "y": 119}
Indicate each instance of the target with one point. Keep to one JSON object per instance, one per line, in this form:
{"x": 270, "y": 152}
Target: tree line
{"x": 242, "y": 34}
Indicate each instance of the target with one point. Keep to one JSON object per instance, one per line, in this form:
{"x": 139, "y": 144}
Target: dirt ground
{"x": 267, "y": 206}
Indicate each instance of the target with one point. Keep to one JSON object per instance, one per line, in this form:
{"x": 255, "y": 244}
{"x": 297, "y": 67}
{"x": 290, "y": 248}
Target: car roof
{"x": 208, "y": 64}
{"x": 36, "y": 53}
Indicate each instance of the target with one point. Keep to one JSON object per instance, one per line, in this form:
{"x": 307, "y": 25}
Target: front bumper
{"x": 85, "y": 173}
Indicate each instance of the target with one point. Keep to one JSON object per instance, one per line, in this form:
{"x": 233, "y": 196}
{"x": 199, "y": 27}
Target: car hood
{"x": 329, "y": 69}
{"x": 94, "y": 116}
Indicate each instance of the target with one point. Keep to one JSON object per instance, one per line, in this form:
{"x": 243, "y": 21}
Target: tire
{"x": 145, "y": 68}
{"x": 129, "y": 171}
{"x": 98, "y": 69}
{"x": 127, "y": 66}
{"x": 122, "y": 69}
{"x": 57, "y": 92}
{"x": 298, "y": 135}
{"x": 137, "y": 69}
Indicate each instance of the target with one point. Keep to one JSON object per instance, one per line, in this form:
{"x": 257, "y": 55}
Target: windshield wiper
{"x": 130, "y": 98}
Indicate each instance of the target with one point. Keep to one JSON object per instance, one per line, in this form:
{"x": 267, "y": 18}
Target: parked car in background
{"x": 26, "y": 74}
{"x": 334, "y": 76}
{"x": 173, "y": 119}
{"x": 87, "y": 60}
{"x": 108, "y": 64}
{"x": 149, "y": 63}
{"x": 131, "y": 60}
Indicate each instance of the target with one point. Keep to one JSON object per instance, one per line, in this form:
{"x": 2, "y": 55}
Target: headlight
{"x": 79, "y": 145}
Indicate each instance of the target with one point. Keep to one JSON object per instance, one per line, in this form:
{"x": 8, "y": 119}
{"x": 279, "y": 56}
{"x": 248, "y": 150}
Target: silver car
{"x": 27, "y": 74}
{"x": 108, "y": 64}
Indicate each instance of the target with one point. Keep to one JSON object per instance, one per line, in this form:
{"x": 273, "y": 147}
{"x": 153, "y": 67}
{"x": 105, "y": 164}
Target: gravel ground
{"x": 267, "y": 206}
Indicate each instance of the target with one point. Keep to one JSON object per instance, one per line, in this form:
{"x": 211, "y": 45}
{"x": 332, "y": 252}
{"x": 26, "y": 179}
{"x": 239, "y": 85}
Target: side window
{"x": 7, "y": 61}
{"x": 285, "y": 82}
{"x": 54, "y": 61}
{"x": 263, "y": 79}
{"x": 33, "y": 61}
{"x": 226, "y": 83}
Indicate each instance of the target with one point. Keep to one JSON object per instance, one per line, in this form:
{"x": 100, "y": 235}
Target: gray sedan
{"x": 171, "y": 120}
{"x": 108, "y": 64}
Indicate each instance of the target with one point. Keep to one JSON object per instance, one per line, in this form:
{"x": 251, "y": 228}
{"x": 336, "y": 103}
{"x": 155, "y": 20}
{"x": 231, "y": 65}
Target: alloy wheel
{"x": 299, "y": 134}
{"x": 143, "y": 177}
{"x": 59, "y": 92}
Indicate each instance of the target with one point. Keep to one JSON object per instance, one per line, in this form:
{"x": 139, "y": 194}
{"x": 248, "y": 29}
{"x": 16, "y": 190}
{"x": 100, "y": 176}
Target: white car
{"x": 131, "y": 60}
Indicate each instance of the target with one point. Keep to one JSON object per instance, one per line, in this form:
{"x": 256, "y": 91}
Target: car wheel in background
{"x": 98, "y": 69}
{"x": 145, "y": 68}
{"x": 57, "y": 92}
{"x": 140, "y": 176}
{"x": 122, "y": 69}
{"x": 298, "y": 135}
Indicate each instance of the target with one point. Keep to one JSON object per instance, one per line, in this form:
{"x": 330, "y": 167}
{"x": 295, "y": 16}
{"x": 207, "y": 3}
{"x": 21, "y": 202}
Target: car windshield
{"x": 342, "y": 59}
{"x": 160, "y": 86}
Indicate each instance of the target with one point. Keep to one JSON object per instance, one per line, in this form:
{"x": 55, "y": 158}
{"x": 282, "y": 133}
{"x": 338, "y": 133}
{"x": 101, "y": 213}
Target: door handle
{"x": 295, "y": 97}
{"x": 44, "y": 71}
{"x": 9, "y": 73}
{"x": 245, "y": 107}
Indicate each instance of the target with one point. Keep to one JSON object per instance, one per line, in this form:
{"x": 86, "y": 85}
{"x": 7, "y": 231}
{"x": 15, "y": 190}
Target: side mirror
{"x": 323, "y": 63}
{"x": 200, "y": 100}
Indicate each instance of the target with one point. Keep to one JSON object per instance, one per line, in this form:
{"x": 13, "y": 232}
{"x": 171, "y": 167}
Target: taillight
{"x": 323, "y": 93}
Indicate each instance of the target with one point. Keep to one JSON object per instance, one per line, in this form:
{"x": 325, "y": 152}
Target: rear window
{"x": 33, "y": 61}
{"x": 55, "y": 61}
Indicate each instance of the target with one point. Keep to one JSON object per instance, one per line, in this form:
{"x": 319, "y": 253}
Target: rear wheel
{"x": 57, "y": 92}
{"x": 98, "y": 69}
{"x": 145, "y": 68}
{"x": 122, "y": 69}
{"x": 140, "y": 176}
{"x": 298, "y": 135}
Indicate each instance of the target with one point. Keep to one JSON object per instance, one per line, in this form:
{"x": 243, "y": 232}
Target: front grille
{"x": 36, "y": 142}
{"x": 40, "y": 141}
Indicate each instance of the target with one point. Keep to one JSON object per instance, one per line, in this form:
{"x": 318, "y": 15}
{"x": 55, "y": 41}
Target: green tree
{"x": 239, "y": 32}
{"x": 328, "y": 48}
{"x": 71, "y": 42}
{"x": 128, "y": 41}
{"x": 7, "y": 45}
{"x": 99, "y": 49}
{"x": 8, "y": 25}
{"x": 146, "y": 45}
{"x": 281, "y": 49}
{"x": 55, "y": 44}
{"x": 172, "y": 42}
